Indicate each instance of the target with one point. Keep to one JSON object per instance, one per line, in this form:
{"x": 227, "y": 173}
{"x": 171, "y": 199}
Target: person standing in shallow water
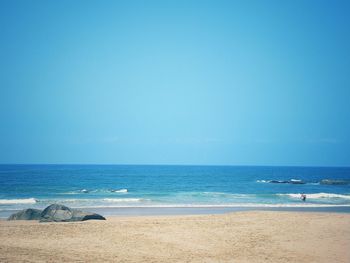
{"x": 303, "y": 197}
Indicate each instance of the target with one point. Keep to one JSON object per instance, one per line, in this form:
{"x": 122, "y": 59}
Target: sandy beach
{"x": 236, "y": 237}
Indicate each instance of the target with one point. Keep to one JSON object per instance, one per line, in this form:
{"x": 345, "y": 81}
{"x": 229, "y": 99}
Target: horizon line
{"x": 140, "y": 164}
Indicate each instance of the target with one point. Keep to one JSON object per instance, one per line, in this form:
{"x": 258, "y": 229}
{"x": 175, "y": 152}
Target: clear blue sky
{"x": 175, "y": 82}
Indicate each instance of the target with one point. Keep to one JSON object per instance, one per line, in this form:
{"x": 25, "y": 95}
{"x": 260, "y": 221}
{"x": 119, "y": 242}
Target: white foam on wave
{"x": 122, "y": 200}
{"x": 212, "y": 194}
{"x": 80, "y": 200}
{"x": 17, "y": 201}
{"x": 120, "y": 191}
{"x": 318, "y": 196}
{"x": 262, "y": 181}
{"x": 238, "y": 205}
{"x": 87, "y": 191}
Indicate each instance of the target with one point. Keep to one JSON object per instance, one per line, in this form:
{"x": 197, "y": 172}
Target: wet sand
{"x": 250, "y": 236}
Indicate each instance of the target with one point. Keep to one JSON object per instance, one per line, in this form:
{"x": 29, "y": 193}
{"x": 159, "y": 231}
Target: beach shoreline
{"x": 245, "y": 236}
{"x": 194, "y": 210}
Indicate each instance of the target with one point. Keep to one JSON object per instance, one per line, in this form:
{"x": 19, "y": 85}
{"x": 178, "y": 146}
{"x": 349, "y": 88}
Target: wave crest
{"x": 18, "y": 201}
{"x": 318, "y": 195}
{"x": 120, "y": 191}
{"x": 298, "y": 181}
{"x": 119, "y": 200}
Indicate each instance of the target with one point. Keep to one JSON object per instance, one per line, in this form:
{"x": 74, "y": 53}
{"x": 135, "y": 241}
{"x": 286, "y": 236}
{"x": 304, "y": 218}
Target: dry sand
{"x": 237, "y": 237}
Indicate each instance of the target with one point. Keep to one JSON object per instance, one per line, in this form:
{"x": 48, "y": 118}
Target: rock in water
{"x": 56, "y": 213}
{"x": 278, "y": 182}
{"x": 26, "y": 214}
{"x": 334, "y": 182}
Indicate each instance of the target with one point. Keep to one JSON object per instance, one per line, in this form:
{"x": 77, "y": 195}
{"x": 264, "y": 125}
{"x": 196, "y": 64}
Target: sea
{"x": 134, "y": 189}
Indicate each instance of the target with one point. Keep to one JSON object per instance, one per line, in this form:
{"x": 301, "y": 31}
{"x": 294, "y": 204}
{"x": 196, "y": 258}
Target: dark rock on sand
{"x": 56, "y": 213}
{"x": 26, "y": 214}
{"x": 61, "y": 213}
{"x": 83, "y": 216}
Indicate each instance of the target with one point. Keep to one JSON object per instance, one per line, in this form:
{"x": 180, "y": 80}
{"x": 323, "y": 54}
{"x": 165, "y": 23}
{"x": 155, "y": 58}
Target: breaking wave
{"x": 17, "y": 201}
{"x": 291, "y": 181}
{"x": 298, "y": 181}
{"x": 119, "y": 200}
{"x": 119, "y": 191}
{"x": 97, "y": 200}
{"x": 93, "y": 191}
{"x": 318, "y": 196}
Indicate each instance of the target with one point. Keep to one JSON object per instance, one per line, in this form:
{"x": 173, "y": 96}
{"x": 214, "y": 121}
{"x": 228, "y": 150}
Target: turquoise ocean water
{"x": 134, "y": 186}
